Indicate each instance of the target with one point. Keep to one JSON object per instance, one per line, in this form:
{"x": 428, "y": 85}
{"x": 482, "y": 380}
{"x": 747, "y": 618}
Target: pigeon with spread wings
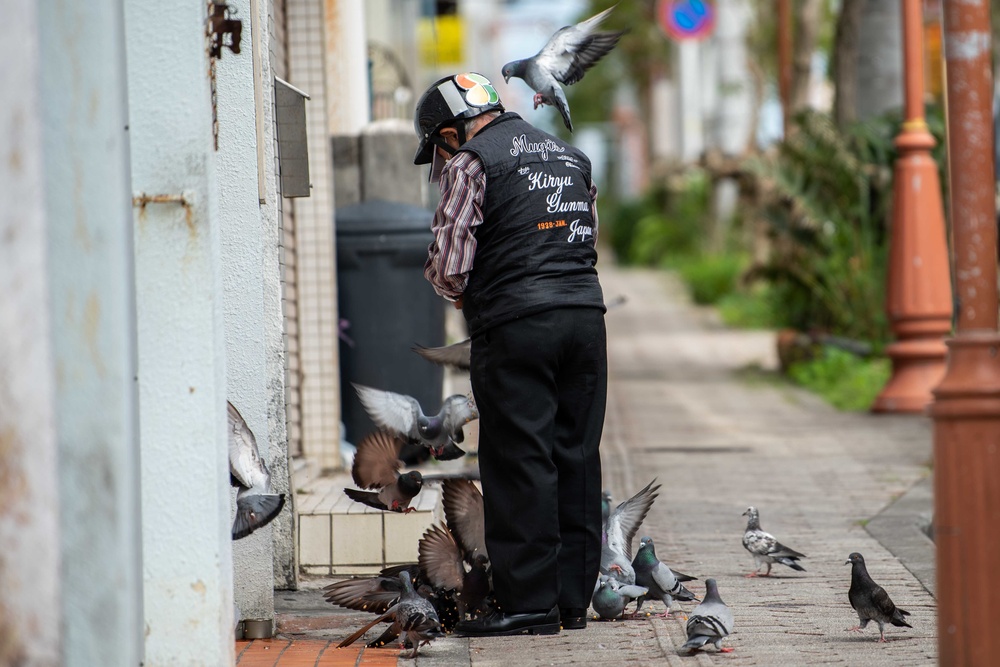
{"x": 256, "y": 504}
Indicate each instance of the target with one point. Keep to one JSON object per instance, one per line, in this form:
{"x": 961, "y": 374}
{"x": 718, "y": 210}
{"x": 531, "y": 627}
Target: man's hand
{"x": 458, "y": 303}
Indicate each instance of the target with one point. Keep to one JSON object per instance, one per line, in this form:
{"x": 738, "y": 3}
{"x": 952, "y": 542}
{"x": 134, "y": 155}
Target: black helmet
{"x": 452, "y": 98}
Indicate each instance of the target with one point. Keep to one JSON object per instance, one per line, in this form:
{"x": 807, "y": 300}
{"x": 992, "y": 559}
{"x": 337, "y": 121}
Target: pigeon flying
{"x": 765, "y": 549}
{"x": 871, "y": 601}
{"x": 659, "y": 579}
{"x": 623, "y": 524}
{"x": 457, "y": 355}
{"x": 610, "y": 597}
{"x": 376, "y": 466}
{"x": 413, "y": 617}
{"x": 256, "y": 504}
{"x": 711, "y": 621}
{"x": 564, "y": 59}
{"x": 403, "y": 415}
{"x": 441, "y": 561}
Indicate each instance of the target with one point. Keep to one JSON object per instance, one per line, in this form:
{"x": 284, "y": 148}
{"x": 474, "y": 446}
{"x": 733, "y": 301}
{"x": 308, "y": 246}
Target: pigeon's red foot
{"x": 407, "y": 510}
{"x": 752, "y": 575}
{"x": 883, "y": 640}
{"x": 665, "y": 614}
{"x": 856, "y": 628}
{"x": 728, "y": 649}
{"x": 538, "y": 100}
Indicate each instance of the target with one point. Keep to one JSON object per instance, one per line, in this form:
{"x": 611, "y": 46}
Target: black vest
{"x": 535, "y": 246}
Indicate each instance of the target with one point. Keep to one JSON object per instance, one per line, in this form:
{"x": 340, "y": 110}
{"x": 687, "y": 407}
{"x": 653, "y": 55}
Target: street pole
{"x": 966, "y": 409}
{"x": 785, "y": 62}
{"x": 918, "y": 284}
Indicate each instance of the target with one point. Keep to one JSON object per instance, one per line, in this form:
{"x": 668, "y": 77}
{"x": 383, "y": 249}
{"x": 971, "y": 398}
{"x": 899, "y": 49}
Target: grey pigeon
{"x": 711, "y": 621}
{"x": 442, "y": 562}
{"x": 765, "y": 549}
{"x": 611, "y": 597}
{"x": 464, "y": 514}
{"x": 376, "y": 466}
{"x": 413, "y": 617}
{"x": 871, "y": 601}
{"x": 403, "y": 415}
{"x": 623, "y": 523}
{"x": 657, "y": 577}
{"x": 256, "y": 504}
{"x": 564, "y": 59}
{"x": 457, "y": 355}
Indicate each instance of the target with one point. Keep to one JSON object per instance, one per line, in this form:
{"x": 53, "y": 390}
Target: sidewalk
{"x": 686, "y": 407}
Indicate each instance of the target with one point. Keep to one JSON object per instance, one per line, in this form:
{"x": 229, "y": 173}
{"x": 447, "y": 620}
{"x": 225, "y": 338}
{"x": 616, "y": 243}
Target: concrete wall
{"x": 187, "y": 549}
{"x": 242, "y": 234}
{"x": 30, "y": 630}
{"x": 92, "y": 282}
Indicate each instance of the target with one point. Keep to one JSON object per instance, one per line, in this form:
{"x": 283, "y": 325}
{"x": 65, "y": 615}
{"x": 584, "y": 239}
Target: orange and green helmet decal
{"x": 477, "y": 89}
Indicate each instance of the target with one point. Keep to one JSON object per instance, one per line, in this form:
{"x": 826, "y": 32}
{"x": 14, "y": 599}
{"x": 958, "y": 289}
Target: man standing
{"x": 514, "y": 250}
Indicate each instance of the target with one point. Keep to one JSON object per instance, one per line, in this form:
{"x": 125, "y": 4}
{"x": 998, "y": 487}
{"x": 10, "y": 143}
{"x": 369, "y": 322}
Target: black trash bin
{"x": 388, "y": 306}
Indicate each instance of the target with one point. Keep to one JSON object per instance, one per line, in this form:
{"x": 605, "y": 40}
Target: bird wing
{"x": 711, "y": 619}
{"x": 458, "y": 354}
{"x": 574, "y": 49}
{"x": 389, "y": 410}
{"x": 374, "y": 594}
{"x": 441, "y": 559}
{"x": 376, "y": 463}
{"x": 881, "y": 601}
{"x": 779, "y": 550}
{"x": 245, "y": 464}
{"x": 463, "y": 511}
{"x": 389, "y": 613}
{"x": 625, "y": 520}
{"x": 759, "y": 542}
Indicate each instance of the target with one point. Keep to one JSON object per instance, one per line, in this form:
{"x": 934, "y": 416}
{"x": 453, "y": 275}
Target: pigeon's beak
{"x": 847, "y": 562}
{"x": 506, "y": 78}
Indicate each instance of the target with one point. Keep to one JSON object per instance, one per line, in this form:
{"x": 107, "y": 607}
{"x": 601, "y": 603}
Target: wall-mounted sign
{"x": 686, "y": 19}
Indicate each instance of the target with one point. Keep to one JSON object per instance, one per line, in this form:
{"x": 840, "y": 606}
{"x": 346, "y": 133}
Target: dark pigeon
{"x": 413, "y": 618}
{"x": 402, "y": 414}
{"x": 443, "y": 564}
{"x": 871, "y": 601}
{"x": 376, "y": 466}
{"x": 463, "y": 511}
{"x": 622, "y": 525}
{"x": 765, "y": 549}
{"x": 610, "y": 597}
{"x": 710, "y": 622}
{"x": 256, "y": 504}
{"x": 659, "y": 579}
{"x": 564, "y": 59}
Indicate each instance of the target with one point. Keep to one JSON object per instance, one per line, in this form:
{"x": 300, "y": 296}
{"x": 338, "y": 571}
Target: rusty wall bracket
{"x": 221, "y": 24}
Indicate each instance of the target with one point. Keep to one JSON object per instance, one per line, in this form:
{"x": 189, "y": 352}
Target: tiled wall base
{"x": 340, "y": 536}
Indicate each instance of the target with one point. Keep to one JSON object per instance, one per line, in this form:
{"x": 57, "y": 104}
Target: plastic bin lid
{"x": 378, "y": 216}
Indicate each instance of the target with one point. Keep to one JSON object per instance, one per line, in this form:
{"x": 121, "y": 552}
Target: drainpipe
{"x": 966, "y": 409}
{"x": 918, "y": 285}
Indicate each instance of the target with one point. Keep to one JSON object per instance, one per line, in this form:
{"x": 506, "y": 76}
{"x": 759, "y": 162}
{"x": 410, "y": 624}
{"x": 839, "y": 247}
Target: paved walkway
{"x": 687, "y": 406}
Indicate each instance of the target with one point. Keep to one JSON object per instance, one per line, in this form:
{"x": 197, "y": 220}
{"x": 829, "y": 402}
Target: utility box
{"x": 386, "y": 306}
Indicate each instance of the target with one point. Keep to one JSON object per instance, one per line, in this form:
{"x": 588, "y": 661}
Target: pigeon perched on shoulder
{"x": 457, "y": 355}
{"x": 413, "y": 617}
{"x": 657, "y": 577}
{"x": 623, "y": 523}
{"x": 564, "y": 59}
{"x": 402, "y": 414}
{"x": 711, "y": 621}
{"x": 610, "y": 597}
{"x": 871, "y": 601}
{"x": 256, "y": 504}
{"x": 376, "y": 466}
{"x": 765, "y": 549}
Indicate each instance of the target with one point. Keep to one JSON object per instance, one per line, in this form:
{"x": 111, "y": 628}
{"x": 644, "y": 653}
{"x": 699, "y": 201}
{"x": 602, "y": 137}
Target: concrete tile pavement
{"x": 683, "y": 409}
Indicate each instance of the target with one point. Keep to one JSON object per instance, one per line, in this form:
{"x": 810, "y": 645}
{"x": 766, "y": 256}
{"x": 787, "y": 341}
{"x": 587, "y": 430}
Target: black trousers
{"x": 540, "y": 384}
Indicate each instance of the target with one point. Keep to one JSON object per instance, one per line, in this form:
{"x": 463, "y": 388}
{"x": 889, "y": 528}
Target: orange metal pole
{"x": 966, "y": 409}
{"x": 918, "y": 282}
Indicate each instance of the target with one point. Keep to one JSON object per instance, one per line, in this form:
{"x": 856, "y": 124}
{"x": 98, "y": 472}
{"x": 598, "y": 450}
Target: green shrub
{"x": 752, "y": 308}
{"x": 845, "y": 381}
{"x": 710, "y": 277}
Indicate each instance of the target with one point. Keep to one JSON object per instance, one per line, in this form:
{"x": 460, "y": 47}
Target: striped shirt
{"x": 450, "y": 255}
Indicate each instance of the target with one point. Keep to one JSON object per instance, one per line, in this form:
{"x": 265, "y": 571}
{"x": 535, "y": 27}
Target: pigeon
{"x": 376, "y": 466}
{"x": 256, "y": 504}
{"x": 661, "y": 581}
{"x": 871, "y": 601}
{"x": 463, "y": 511}
{"x": 711, "y": 621}
{"x": 766, "y": 549}
{"x": 412, "y": 617}
{"x": 457, "y": 355}
{"x": 402, "y": 414}
{"x": 622, "y": 525}
{"x": 442, "y": 562}
{"x": 610, "y": 597}
{"x": 564, "y": 59}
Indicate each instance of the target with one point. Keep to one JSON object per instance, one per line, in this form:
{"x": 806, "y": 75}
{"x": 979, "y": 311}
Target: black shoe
{"x": 499, "y": 624}
{"x": 573, "y": 618}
